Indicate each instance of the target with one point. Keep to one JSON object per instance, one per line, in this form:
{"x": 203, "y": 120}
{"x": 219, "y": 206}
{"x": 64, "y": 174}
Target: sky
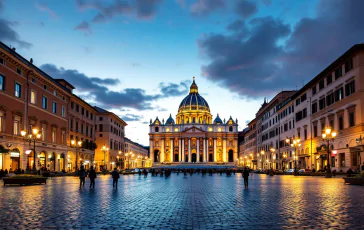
{"x": 137, "y": 58}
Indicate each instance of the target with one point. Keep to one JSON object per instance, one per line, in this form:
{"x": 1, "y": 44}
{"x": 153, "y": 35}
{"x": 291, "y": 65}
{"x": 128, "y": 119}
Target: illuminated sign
{"x": 14, "y": 154}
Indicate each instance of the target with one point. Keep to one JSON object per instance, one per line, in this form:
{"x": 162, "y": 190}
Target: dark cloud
{"x": 246, "y": 8}
{"x": 84, "y": 27}
{"x": 8, "y": 34}
{"x": 205, "y": 7}
{"x": 131, "y": 117}
{"x": 96, "y": 89}
{"x": 237, "y": 26}
{"x": 106, "y": 11}
{"x": 272, "y": 56}
{"x": 173, "y": 90}
{"x": 244, "y": 65}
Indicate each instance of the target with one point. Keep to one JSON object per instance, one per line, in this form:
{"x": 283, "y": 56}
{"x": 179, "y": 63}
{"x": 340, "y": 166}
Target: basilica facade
{"x": 194, "y": 137}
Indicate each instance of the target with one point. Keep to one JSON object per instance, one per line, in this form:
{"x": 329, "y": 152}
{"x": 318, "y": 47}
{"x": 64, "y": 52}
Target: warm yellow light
{"x": 49, "y": 156}
{"x": 167, "y": 129}
{"x": 272, "y": 149}
{"x": 219, "y": 129}
{"x": 79, "y": 143}
{"x": 73, "y": 142}
{"x": 333, "y": 134}
{"x": 251, "y": 154}
{"x": 210, "y": 129}
{"x": 328, "y": 131}
{"x": 35, "y": 131}
{"x": 119, "y": 152}
{"x": 245, "y": 157}
{"x": 176, "y": 129}
{"x": 262, "y": 152}
{"x": 23, "y": 133}
{"x": 324, "y": 135}
{"x": 38, "y": 136}
{"x": 257, "y": 154}
{"x": 287, "y": 140}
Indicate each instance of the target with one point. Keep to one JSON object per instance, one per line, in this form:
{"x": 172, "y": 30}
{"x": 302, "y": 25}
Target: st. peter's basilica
{"x": 194, "y": 137}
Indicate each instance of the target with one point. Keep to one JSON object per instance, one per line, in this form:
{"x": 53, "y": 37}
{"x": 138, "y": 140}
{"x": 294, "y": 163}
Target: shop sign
{"x": 14, "y": 154}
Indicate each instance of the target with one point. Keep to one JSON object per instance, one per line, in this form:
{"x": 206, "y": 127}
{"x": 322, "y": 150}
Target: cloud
{"x": 96, "y": 89}
{"x": 84, "y": 27}
{"x": 246, "y": 8}
{"x": 8, "y": 34}
{"x": 132, "y": 117}
{"x": 173, "y": 90}
{"x": 106, "y": 11}
{"x": 270, "y": 55}
{"x": 205, "y": 7}
{"x": 45, "y": 8}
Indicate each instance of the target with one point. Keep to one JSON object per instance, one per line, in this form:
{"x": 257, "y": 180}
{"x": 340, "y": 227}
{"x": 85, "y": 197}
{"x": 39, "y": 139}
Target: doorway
{"x": 231, "y": 155}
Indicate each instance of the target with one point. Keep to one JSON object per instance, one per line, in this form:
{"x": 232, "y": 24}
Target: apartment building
{"x": 334, "y": 99}
{"x": 138, "y": 155}
{"x": 110, "y": 139}
{"x": 29, "y": 98}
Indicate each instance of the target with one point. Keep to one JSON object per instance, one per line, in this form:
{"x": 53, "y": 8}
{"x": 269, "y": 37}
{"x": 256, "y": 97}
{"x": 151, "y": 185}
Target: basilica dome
{"x": 194, "y": 101}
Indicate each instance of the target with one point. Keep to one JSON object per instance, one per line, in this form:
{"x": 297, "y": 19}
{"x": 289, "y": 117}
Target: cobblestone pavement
{"x": 178, "y": 202}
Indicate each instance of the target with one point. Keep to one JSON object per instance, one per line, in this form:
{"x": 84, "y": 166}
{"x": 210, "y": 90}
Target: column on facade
{"x": 161, "y": 157}
{"x": 151, "y": 149}
{"x": 214, "y": 149}
{"x": 204, "y": 150}
{"x": 236, "y": 150}
{"x": 183, "y": 150}
{"x": 172, "y": 151}
{"x": 179, "y": 150}
{"x": 224, "y": 158}
{"x": 189, "y": 149}
{"x": 198, "y": 150}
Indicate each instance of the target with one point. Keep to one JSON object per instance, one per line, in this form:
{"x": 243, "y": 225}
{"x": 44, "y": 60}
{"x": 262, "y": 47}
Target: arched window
{"x": 230, "y": 128}
{"x": 194, "y": 120}
{"x": 156, "y": 129}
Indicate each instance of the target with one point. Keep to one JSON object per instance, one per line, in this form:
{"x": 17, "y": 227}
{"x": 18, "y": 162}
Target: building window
{"x": 351, "y": 119}
{"x": 101, "y": 127}
{"x": 33, "y": 97}
{"x": 330, "y": 99}
{"x": 77, "y": 108}
{"x": 339, "y": 94}
{"x": 82, "y": 111}
{"x": 303, "y": 98}
{"x": 2, "y": 83}
{"x": 338, "y": 73}
{"x": 156, "y": 129}
{"x": 314, "y": 90}
{"x": 100, "y": 118}
{"x": 305, "y": 134}
{"x": 350, "y": 88}
{"x": 329, "y": 79}
{"x": 354, "y": 159}
{"x": 18, "y": 71}
{"x": 53, "y": 135}
{"x": 2, "y": 62}
{"x": 314, "y": 107}
{"x": 54, "y": 107}
{"x": 16, "y": 127}
{"x": 315, "y": 131}
{"x": 322, "y": 103}
{"x": 298, "y": 101}
{"x": 63, "y": 137}
{"x": 17, "y": 90}
{"x": 72, "y": 105}
{"x": 55, "y": 93}
{"x": 33, "y": 79}
{"x": 341, "y": 123}
{"x": 1, "y": 122}
{"x": 45, "y": 87}
{"x": 342, "y": 159}
{"x": 44, "y": 102}
{"x": 63, "y": 111}
{"x": 348, "y": 65}
{"x": 43, "y": 133}
{"x": 321, "y": 84}
{"x": 100, "y": 135}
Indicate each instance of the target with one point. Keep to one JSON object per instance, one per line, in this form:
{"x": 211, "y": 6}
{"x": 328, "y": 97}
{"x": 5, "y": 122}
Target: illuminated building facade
{"x": 194, "y": 137}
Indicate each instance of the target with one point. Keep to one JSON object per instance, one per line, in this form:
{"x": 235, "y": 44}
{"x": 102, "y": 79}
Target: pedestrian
{"x": 92, "y": 176}
{"x": 82, "y": 174}
{"x": 246, "y": 177}
{"x": 115, "y": 177}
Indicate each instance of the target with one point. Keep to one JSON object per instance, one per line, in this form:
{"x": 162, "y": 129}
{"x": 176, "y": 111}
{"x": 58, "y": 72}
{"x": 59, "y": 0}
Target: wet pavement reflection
{"x": 178, "y": 202}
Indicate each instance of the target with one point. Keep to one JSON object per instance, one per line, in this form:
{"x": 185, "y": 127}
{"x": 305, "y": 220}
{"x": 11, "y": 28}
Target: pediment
{"x": 193, "y": 129}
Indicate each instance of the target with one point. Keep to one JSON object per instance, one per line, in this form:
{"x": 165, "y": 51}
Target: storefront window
{"x": 354, "y": 157}
{"x": 342, "y": 159}
{"x": 332, "y": 161}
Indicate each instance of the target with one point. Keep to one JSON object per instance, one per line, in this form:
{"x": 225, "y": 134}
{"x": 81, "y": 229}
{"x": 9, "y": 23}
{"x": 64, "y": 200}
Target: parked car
{"x": 289, "y": 171}
{"x": 301, "y": 170}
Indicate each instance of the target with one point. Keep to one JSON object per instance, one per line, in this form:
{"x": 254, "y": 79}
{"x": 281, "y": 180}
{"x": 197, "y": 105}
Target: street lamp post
{"x": 328, "y": 135}
{"x": 295, "y": 142}
{"x": 31, "y": 138}
{"x": 76, "y": 145}
{"x": 104, "y": 149}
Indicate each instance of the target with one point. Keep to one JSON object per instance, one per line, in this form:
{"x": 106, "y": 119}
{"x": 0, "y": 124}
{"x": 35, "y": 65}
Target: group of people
{"x": 82, "y": 173}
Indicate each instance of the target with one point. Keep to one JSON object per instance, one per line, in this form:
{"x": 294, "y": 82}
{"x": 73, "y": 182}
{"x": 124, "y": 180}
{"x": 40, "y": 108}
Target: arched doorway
{"x": 193, "y": 156}
{"x": 201, "y": 156}
{"x": 176, "y": 155}
{"x": 156, "y": 155}
{"x": 231, "y": 155}
{"x": 62, "y": 163}
{"x": 15, "y": 159}
{"x": 42, "y": 162}
{"x": 211, "y": 156}
{"x": 52, "y": 162}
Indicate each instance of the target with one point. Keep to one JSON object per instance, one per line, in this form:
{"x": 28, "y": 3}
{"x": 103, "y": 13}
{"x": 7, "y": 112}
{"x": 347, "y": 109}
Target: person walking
{"x": 246, "y": 177}
{"x": 82, "y": 174}
{"x": 115, "y": 177}
{"x": 92, "y": 176}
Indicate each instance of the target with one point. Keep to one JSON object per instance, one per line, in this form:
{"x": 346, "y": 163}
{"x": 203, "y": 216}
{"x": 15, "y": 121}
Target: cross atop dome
{"x": 193, "y": 88}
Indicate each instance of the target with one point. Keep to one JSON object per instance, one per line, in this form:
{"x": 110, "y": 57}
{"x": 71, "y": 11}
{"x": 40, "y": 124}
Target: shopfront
{"x": 14, "y": 159}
